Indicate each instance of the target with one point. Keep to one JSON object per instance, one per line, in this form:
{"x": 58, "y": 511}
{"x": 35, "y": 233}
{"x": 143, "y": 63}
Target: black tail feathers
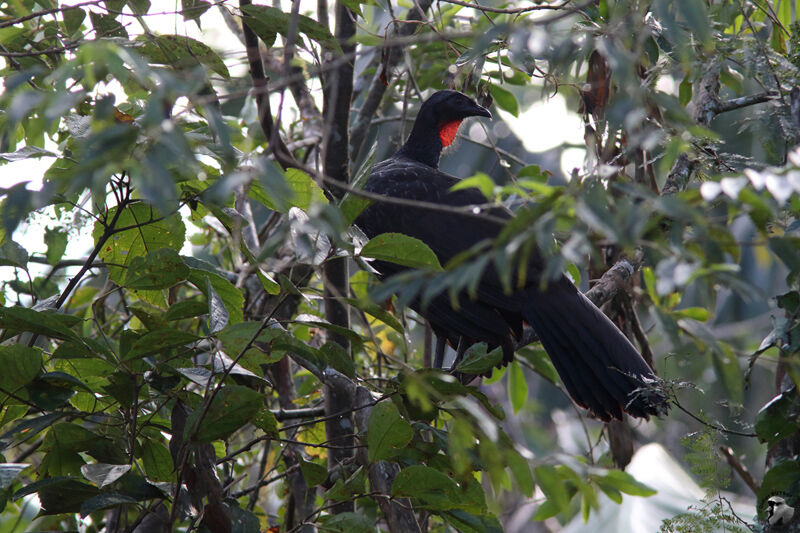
{"x": 600, "y": 368}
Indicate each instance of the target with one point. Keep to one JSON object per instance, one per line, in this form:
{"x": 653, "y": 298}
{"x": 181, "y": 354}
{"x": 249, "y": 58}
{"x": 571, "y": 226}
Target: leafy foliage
{"x": 181, "y": 373}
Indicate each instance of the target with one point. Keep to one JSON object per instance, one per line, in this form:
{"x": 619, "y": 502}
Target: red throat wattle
{"x": 447, "y": 132}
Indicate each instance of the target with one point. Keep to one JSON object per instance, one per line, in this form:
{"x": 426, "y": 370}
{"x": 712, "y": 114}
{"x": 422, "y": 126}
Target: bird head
{"x": 437, "y": 123}
{"x": 445, "y": 110}
{"x": 778, "y": 513}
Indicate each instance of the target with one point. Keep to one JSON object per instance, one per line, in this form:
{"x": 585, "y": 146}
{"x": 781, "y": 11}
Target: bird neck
{"x": 424, "y": 144}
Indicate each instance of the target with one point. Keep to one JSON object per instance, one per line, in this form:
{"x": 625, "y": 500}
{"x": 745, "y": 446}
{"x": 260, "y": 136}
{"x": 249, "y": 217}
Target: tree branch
{"x": 391, "y": 58}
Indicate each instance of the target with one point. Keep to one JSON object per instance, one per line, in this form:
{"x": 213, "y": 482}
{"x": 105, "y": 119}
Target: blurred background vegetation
{"x": 190, "y": 335}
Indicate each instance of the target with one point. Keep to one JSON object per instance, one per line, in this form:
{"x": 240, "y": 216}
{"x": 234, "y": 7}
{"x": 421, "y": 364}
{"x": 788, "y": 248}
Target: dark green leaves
{"x": 157, "y": 270}
{"x": 268, "y": 22}
{"x": 20, "y": 366}
{"x": 401, "y": 249}
{"x": 436, "y": 491}
{"x": 180, "y": 51}
{"x": 144, "y": 229}
{"x": 477, "y": 360}
{"x": 775, "y": 420}
{"x": 232, "y": 407}
{"x": 388, "y": 432}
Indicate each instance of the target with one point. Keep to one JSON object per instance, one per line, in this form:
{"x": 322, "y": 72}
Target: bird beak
{"x": 481, "y": 111}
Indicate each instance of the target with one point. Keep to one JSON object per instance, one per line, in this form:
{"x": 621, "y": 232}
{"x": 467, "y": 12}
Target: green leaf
{"x": 266, "y": 422}
{"x": 103, "y": 474}
{"x": 156, "y": 270}
{"x": 313, "y": 473}
{"x": 549, "y": 480}
{"x": 477, "y": 361}
{"x": 517, "y": 387}
{"x": 105, "y": 500}
{"x": 107, "y": 26}
{"x": 624, "y": 482}
{"x": 521, "y": 470}
{"x": 180, "y": 52}
{"x": 402, "y": 250}
{"x": 349, "y": 522}
{"x": 774, "y": 422}
{"x": 267, "y": 22}
{"x": 147, "y": 232}
{"x": 186, "y": 309}
{"x": 59, "y": 494}
{"x": 337, "y": 357}
{"x": 20, "y": 366}
{"x": 541, "y": 363}
{"x": 56, "y": 241}
{"x": 192, "y": 9}
{"x": 48, "y": 323}
{"x": 12, "y": 254}
{"x": 73, "y": 19}
{"x": 376, "y": 311}
{"x": 480, "y": 181}
{"x": 387, "y": 431}
{"x": 231, "y": 296}
{"x": 232, "y": 407}
{"x": 158, "y": 341}
{"x": 504, "y": 99}
{"x": 157, "y": 461}
{"x": 436, "y": 490}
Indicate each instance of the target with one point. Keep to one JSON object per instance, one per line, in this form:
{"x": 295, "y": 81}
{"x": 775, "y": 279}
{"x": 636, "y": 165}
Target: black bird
{"x": 599, "y": 367}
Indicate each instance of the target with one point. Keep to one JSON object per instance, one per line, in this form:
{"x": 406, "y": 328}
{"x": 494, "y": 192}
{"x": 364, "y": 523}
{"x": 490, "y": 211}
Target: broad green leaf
{"x": 56, "y": 241}
{"x": 267, "y": 22}
{"x": 157, "y": 342}
{"x": 12, "y": 254}
{"x": 517, "y": 387}
{"x": 479, "y": 181}
{"x": 107, "y": 25}
{"x": 387, "y": 431}
{"x": 59, "y": 494}
{"x": 773, "y": 422}
{"x": 232, "y": 407}
{"x": 476, "y": 360}
{"x": 349, "y": 522}
{"x": 230, "y": 295}
{"x": 504, "y": 99}
{"x": 303, "y": 192}
{"x": 436, "y": 491}
{"x": 73, "y": 19}
{"x": 157, "y": 461}
{"x": 192, "y": 9}
{"x": 549, "y": 480}
{"x": 20, "y": 366}
{"x": 521, "y": 470}
{"x": 186, "y": 309}
{"x": 48, "y": 323}
{"x": 313, "y": 473}
{"x": 147, "y": 231}
{"x": 337, "y": 357}
{"x": 180, "y": 52}
{"x": 105, "y": 500}
{"x": 266, "y": 422}
{"x": 156, "y": 270}
{"x": 624, "y": 482}
{"x": 402, "y": 250}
